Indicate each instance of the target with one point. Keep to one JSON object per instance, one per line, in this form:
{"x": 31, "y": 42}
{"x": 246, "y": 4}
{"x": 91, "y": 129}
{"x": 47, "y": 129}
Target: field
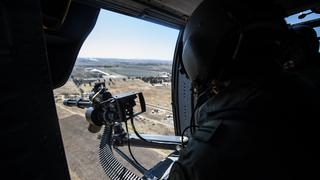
{"x": 129, "y": 68}
{"x": 120, "y": 76}
{"x": 158, "y": 100}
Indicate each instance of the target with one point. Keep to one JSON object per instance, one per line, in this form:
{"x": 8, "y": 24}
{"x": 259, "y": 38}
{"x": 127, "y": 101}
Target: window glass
{"x": 294, "y": 19}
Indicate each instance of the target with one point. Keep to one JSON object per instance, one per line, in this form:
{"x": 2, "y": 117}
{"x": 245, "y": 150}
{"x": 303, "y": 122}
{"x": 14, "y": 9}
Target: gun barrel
{"x": 77, "y": 103}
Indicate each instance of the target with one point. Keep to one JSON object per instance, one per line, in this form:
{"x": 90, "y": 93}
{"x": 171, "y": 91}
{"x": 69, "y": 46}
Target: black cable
{"x": 201, "y": 99}
{"x": 183, "y": 132}
{"x": 138, "y": 135}
{"x": 136, "y": 132}
{"x": 129, "y": 148}
{"x": 143, "y": 139}
{"x": 191, "y": 123}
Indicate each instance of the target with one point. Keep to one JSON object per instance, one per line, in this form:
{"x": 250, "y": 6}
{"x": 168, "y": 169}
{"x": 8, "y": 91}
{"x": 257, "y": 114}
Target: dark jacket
{"x": 254, "y": 130}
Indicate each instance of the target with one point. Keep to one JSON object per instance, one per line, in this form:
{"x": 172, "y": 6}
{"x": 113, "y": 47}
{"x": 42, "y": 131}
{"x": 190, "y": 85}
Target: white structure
{"x": 99, "y": 71}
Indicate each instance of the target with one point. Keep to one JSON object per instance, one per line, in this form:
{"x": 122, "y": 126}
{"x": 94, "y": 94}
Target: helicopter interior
{"x": 41, "y": 39}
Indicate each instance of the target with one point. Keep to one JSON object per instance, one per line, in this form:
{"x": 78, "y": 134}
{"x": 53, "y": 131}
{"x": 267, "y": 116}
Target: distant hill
{"x": 111, "y": 61}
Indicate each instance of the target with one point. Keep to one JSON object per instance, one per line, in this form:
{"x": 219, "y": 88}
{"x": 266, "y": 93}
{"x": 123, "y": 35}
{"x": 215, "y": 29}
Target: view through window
{"x": 127, "y": 54}
{"x": 309, "y": 16}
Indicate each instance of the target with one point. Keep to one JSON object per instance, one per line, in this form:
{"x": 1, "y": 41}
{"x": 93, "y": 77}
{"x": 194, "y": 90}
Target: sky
{"x": 294, "y": 19}
{"x": 120, "y": 36}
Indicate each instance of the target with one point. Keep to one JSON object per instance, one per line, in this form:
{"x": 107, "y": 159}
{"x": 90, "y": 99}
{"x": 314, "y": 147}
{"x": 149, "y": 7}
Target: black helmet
{"x": 307, "y": 37}
{"x": 215, "y": 32}
{"x": 302, "y": 48}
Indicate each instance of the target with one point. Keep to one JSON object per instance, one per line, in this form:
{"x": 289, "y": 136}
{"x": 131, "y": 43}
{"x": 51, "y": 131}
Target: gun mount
{"x": 112, "y": 112}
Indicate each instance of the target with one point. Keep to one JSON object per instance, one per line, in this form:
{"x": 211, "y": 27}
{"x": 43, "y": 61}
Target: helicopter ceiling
{"x": 65, "y": 33}
{"x": 174, "y": 13}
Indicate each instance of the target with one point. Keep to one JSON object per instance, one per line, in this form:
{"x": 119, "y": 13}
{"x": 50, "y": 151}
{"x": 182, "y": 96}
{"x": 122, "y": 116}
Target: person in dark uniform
{"x": 304, "y": 53}
{"x": 255, "y": 119}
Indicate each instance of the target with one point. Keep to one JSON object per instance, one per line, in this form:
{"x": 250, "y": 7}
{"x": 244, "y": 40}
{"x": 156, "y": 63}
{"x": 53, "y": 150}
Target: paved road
{"x": 81, "y": 148}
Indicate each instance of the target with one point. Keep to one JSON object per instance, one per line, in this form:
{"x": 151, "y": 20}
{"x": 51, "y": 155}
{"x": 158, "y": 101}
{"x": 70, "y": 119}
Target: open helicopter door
{"x": 105, "y": 109}
{"x": 182, "y": 98}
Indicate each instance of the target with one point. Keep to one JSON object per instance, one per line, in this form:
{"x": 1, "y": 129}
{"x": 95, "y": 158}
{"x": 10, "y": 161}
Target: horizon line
{"x": 126, "y": 58}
